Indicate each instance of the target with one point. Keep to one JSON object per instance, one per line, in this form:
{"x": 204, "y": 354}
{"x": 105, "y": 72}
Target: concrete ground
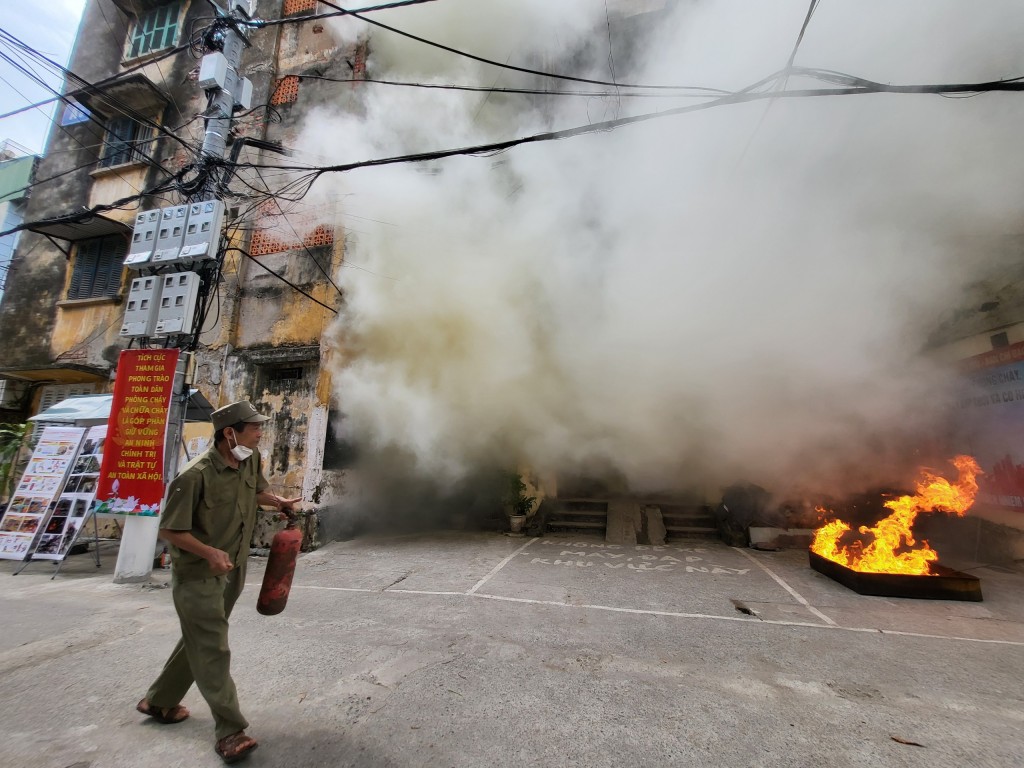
{"x": 466, "y": 649}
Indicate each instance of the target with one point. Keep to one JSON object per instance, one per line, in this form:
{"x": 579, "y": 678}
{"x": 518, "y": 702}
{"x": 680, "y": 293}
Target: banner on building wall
{"x": 131, "y": 478}
{"x": 29, "y": 511}
{"x": 990, "y": 423}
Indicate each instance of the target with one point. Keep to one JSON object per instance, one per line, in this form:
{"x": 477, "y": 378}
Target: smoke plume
{"x": 741, "y": 292}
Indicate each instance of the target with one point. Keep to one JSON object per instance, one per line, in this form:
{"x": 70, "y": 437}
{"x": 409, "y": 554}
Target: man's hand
{"x": 219, "y": 562}
{"x": 287, "y": 508}
{"x": 283, "y": 505}
{"x": 288, "y": 505}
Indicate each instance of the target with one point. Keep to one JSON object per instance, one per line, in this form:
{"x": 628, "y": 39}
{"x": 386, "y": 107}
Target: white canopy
{"x": 96, "y": 409}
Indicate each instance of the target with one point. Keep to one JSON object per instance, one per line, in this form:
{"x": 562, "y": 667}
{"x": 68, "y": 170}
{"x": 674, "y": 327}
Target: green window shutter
{"x": 110, "y": 266}
{"x": 154, "y": 30}
{"x": 84, "y": 269}
{"x": 98, "y": 267}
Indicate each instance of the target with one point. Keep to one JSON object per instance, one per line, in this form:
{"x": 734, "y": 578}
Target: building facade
{"x": 127, "y": 120}
{"x": 130, "y": 121}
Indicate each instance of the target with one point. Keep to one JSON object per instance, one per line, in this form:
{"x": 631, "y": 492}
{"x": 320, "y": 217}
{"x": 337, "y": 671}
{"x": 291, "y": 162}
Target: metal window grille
{"x": 125, "y": 142}
{"x": 99, "y": 264}
{"x": 154, "y": 30}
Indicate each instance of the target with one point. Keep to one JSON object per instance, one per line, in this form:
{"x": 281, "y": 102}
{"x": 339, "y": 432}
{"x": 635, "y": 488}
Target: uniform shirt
{"x": 216, "y": 503}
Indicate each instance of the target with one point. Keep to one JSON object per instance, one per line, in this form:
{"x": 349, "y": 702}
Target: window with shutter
{"x": 98, "y": 266}
{"x": 52, "y": 394}
{"x": 154, "y": 30}
{"x": 126, "y": 141}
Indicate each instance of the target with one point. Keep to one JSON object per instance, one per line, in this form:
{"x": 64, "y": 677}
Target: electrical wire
{"x": 735, "y": 98}
{"x": 124, "y": 109}
{"x": 165, "y": 185}
{"x": 101, "y": 83}
{"x": 309, "y": 174}
{"x": 92, "y": 118}
{"x": 282, "y": 278}
{"x": 514, "y": 68}
{"x": 52, "y": 119}
{"x": 309, "y": 253}
{"x": 260, "y": 23}
{"x": 512, "y": 91}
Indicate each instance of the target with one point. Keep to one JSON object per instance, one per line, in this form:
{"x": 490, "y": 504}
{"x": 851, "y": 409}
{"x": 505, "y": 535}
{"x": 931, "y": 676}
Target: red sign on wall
{"x": 131, "y": 478}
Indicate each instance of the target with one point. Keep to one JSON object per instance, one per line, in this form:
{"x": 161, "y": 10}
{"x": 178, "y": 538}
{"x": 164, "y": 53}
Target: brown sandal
{"x": 165, "y": 715}
{"x": 235, "y": 747}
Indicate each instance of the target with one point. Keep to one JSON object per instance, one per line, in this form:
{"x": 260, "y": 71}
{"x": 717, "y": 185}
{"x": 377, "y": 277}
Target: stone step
{"x": 690, "y": 530}
{"x": 694, "y": 516}
{"x": 581, "y": 513}
{"x": 580, "y": 506}
{"x": 574, "y": 524}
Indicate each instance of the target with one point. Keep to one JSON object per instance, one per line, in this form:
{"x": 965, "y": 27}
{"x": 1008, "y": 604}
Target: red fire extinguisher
{"x": 277, "y": 581}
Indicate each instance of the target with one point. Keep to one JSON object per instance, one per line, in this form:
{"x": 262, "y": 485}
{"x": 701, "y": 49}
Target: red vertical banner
{"x": 131, "y": 478}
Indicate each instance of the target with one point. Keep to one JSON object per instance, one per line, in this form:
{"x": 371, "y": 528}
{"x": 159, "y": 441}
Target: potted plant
{"x": 518, "y": 504}
{"x": 11, "y": 438}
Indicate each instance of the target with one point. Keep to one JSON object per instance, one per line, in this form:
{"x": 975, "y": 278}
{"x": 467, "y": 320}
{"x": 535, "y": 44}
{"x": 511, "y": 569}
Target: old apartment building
{"x": 129, "y": 119}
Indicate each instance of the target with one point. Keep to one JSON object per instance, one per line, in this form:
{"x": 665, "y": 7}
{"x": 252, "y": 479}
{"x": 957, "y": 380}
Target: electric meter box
{"x": 243, "y": 95}
{"x": 202, "y": 232}
{"x": 140, "y": 312}
{"x": 178, "y": 295}
{"x": 143, "y": 238}
{"x": 213, "y": 71}
{"x": 170, "y": 234}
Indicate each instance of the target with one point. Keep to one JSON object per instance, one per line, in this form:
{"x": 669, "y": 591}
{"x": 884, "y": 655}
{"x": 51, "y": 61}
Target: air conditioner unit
{"x": 10, "y": 393}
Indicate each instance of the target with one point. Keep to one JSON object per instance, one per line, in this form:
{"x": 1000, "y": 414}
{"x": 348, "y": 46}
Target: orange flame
{"x": 893, "y": 533}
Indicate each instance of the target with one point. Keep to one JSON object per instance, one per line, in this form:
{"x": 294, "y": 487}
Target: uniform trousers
{"x": 202, "y": 654}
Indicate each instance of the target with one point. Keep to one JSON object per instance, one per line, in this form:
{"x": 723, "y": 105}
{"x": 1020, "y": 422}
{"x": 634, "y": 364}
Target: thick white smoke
{"x": 742, "y": 292}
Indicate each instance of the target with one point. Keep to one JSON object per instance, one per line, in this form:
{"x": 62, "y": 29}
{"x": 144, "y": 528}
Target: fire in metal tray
{"x": 889, "y": 547}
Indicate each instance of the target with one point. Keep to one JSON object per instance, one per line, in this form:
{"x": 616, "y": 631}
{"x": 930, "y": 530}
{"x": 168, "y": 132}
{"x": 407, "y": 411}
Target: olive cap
{"x": 234, "y": 413}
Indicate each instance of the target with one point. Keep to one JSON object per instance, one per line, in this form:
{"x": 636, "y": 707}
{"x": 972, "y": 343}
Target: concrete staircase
{"x": 578, "y": 515}
{"x": 629, "y": 521}
{"x": 687, "y": 521}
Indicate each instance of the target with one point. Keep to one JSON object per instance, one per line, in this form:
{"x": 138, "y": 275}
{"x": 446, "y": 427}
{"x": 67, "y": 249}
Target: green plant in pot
{"x": 11, "y": 438}
{"x": 517, "y": 503}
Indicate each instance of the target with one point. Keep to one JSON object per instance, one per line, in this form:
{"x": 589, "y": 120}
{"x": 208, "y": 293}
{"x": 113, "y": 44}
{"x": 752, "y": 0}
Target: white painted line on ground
{"x": 752, "y": 621}
{"x": 799, "y": 598}
{"x": 498, "y": 567}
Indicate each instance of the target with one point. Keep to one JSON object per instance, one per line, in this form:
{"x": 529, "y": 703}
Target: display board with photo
{"x": 29, "y": 512}
{"x": 71, "y": 510}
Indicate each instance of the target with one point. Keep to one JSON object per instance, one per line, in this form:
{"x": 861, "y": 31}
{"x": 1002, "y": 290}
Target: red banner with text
{"x": 131, "y": 478}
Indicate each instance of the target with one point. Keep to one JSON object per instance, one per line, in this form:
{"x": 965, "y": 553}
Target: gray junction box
{"x": 170, "y": 234}
{"x": 202, "y": 231}
{"x": 140, "y": 314}
{"x": 143, "y": 239}
{"x": 178, "y": 295}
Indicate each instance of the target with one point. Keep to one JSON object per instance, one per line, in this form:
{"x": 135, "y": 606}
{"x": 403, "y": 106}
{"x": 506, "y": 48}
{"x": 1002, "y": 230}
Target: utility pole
{"x": 227, "y": 91}
{"x": 219, "y": 76}
{"x": 176, "y": 250}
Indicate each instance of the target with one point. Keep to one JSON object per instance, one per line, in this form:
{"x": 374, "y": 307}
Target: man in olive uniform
{"x": 208, "y": 521}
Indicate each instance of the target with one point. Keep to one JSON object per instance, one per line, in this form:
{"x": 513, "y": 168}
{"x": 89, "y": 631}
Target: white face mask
{"x": 240, "y": 452}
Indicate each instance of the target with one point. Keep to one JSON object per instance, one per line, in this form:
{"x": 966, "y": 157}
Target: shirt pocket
{"x": 218, "y": 496}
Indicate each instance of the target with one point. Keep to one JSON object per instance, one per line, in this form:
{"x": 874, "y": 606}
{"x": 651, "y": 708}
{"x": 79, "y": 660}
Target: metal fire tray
{"x": 943, "y": 584}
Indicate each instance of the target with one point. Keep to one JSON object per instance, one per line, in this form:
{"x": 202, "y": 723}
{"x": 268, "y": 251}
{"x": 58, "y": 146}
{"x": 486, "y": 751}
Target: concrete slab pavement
{"x": 461, "y": 649}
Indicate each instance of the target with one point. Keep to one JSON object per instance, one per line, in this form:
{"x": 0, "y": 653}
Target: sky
{"x": 50, "y": 28}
